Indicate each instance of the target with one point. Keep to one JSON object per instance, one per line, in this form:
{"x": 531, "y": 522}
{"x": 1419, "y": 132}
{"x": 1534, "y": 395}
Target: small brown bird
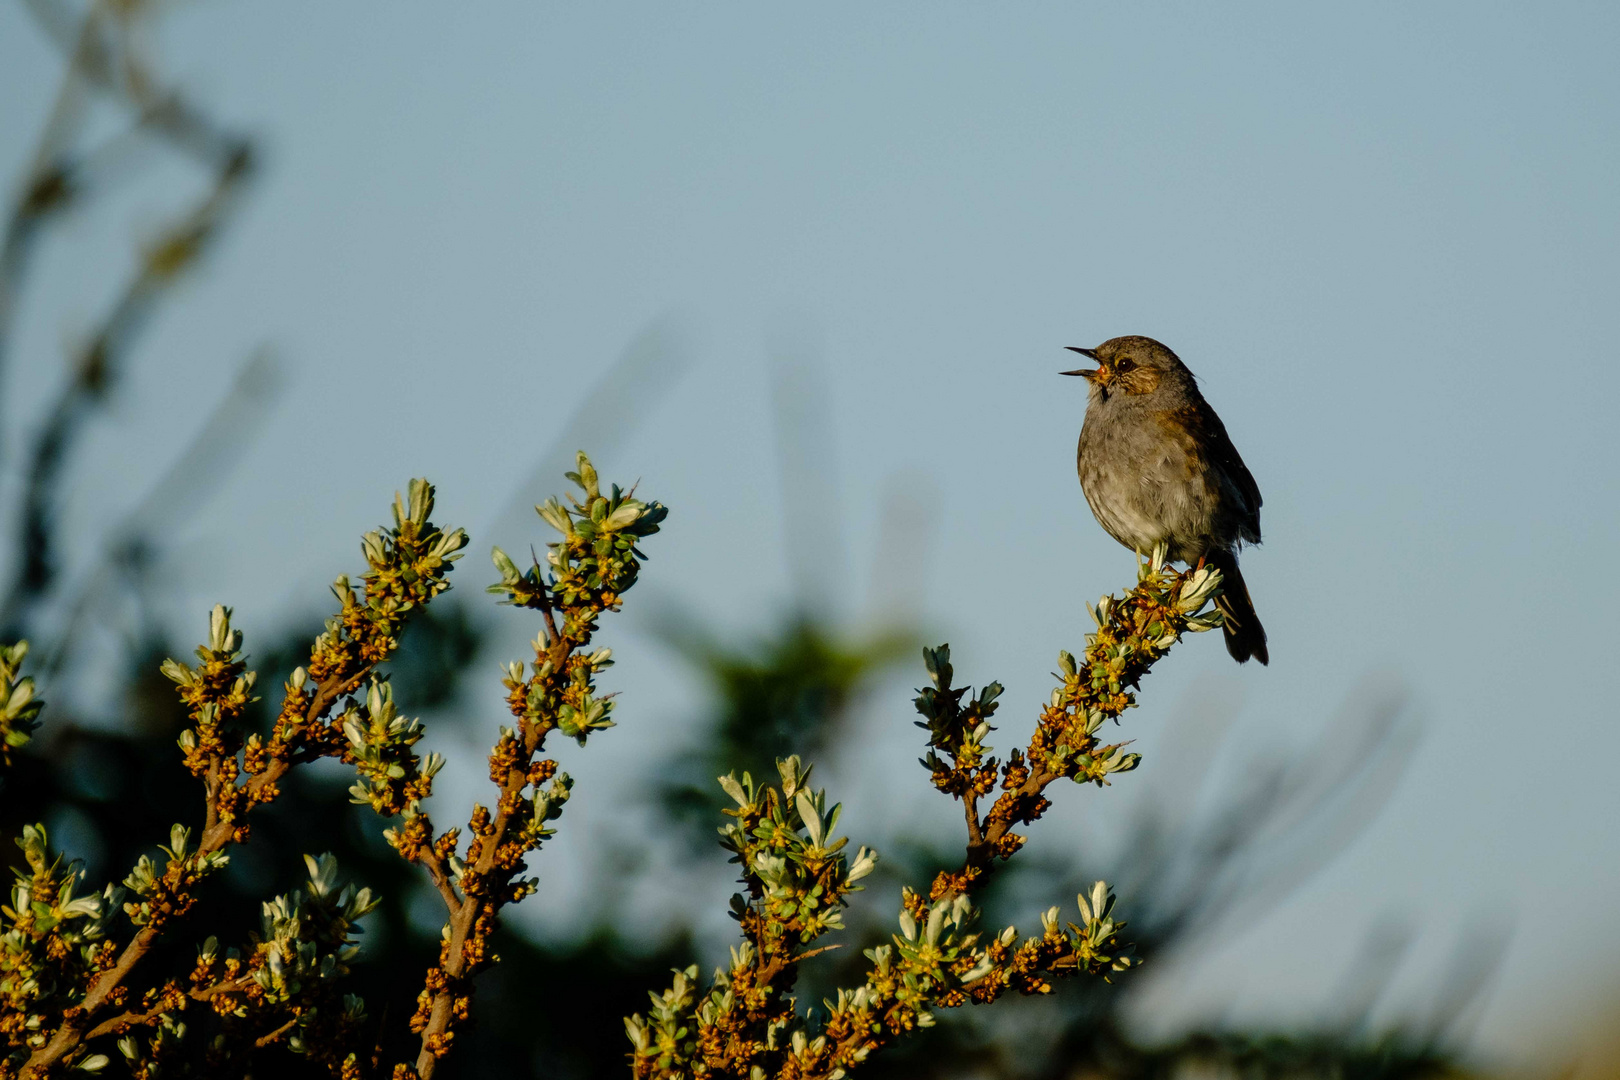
{"x": 1157, "y": 467}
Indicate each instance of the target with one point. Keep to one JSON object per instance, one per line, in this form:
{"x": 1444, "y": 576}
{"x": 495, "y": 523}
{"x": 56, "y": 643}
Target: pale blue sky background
{"x": 1384, "y": 235}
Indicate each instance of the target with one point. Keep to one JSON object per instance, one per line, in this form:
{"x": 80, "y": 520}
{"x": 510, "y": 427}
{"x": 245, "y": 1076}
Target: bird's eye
{"x": 1124, "y": 364}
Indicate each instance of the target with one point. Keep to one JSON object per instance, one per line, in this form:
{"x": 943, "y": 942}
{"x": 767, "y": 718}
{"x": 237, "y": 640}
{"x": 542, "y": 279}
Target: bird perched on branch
{"x": 1157, "y": 467}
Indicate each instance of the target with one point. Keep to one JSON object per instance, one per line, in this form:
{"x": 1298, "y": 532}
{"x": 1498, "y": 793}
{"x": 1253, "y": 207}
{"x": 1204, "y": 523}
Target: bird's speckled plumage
{"x": 1157, "y": 466}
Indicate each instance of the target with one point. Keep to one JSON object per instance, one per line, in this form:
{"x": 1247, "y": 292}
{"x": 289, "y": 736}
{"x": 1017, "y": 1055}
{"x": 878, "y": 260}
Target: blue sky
{"x": 1384, "y": 236}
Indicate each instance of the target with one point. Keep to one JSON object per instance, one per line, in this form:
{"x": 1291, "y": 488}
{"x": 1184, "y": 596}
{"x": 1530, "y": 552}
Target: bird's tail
{"x": 1245, "y": 637}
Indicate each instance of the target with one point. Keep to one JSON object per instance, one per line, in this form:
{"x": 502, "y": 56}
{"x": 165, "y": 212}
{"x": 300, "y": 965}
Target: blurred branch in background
{"x": 104, "y": 58}
{"x": 1283, "y": 820}
{"x": 813, "y": 512}
{"x": 133, "y": 549}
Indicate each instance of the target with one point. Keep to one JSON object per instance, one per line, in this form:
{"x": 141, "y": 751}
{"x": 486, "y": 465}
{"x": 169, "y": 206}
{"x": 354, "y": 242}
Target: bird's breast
{"x": 1145, "y": 484}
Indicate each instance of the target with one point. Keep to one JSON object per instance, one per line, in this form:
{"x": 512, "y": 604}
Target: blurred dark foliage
{"x": 785, "y": 691}
{"x": 105, "y": 775}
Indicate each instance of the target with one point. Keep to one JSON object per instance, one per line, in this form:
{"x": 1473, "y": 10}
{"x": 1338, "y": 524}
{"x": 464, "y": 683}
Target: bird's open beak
{"x": 1089, "y": 374}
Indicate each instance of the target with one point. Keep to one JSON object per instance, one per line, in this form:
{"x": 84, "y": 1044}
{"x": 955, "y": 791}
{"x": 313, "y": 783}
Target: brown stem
{"x": 464, "y": 913}
{"x": 134, "y": 1018}
{"x": 553, "y": 636}
{"x": 462, "y": 918}
{"x": 454, "y": 964}
{"x": 441, "y": 880}
{"x": 265, "y": 1040}
{"x": 970, "y": 808}
{"x": 981, "y": 852}
{"x": 329, "y": 691}
{"x": 70, "y": 1034}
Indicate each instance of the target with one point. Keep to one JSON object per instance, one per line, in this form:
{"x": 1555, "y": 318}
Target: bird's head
{"x": 1131, "y": 365}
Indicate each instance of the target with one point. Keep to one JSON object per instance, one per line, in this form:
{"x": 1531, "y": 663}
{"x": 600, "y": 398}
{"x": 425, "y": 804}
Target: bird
{"x": 1157, "y": 467}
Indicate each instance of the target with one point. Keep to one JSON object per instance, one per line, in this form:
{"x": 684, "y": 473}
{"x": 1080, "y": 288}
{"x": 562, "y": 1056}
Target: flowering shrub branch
{"x": 587, "y": 573}
{"x": 798, "y": 877}
{"x": 73, "y": 972}
{"x": 49, "y": 1019}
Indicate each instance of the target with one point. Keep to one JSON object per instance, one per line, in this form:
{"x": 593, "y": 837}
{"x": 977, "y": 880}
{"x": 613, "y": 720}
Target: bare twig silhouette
{"x": 102, "y": 54}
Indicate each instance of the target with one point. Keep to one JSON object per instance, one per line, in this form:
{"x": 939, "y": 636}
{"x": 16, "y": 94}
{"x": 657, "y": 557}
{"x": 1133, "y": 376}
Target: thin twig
{"x": 265, "y": 1040}
{"x": 135, "y": 1018}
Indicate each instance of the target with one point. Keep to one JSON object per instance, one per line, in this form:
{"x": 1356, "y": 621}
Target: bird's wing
{"x": 1200, "y": 422}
